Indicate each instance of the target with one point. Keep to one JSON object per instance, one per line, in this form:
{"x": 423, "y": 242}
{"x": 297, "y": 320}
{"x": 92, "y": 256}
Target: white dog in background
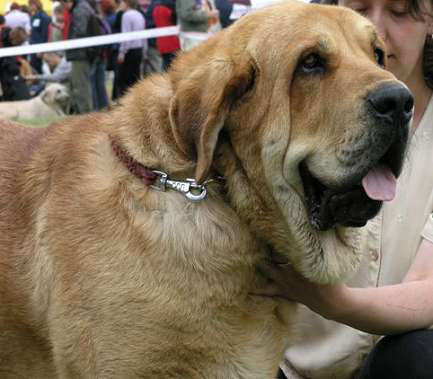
{"x": 50, "y": 103}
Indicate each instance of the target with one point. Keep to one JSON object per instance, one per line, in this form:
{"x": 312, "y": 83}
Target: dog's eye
{"x": 380, "y": 57}
{"x": 312, "y": 64}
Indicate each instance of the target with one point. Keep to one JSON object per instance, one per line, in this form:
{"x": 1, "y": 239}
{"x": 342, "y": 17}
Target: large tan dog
{"x": 104, "y": 276}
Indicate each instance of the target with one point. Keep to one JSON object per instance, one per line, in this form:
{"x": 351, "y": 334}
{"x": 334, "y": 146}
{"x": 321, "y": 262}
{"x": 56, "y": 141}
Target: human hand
{"x": 30, "y": 77}
{"x": 214, "y": 13}
{"x": 120, "y": 59}
{"x": 285, "y": 282}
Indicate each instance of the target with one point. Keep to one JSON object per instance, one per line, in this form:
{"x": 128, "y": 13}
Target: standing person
{"x": 153, "y": 59}
{"x": 58, "y": 24}
{"x": 225, "y": 8}
{"x": 99, "y": 66}
{"x": 193, "y": 16}
{"x": 130, "y": 52}
{"x": 2, "y": 22}
{"x": 164, "y": 14}
{"x": 108, "y": 11}
{"x": 12, "y": 82}
{"x": 117, "y": 28}
{"x": 16, "y": 18}
{"x": 67, "y": 17}
{"x": 80, "y": 13}
{"x": 391, "y": 294}
{"x": 40, "y": 26}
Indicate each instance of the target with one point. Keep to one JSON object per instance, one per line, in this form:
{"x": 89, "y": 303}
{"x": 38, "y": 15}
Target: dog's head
{"x": 294, "y": 106}
{"x": 55, "y": 95}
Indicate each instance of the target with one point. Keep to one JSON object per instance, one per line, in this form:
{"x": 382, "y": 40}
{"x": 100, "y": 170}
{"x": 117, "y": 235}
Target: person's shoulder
{"x": 45, "y": 16}
{"x": 83, "y": 4}
{"x": 136, "y": 14}
{"x": 83, "y": 8}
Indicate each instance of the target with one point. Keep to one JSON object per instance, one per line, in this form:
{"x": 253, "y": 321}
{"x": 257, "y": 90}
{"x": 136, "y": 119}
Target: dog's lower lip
{"x": 327, "y": 207}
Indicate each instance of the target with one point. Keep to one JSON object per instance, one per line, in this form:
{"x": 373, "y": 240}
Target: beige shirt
{"x": 325, "y": 349}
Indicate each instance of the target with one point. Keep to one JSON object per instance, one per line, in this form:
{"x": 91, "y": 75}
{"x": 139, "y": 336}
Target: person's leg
{"x": 402, "y": 356}
{"x": 116, "y": 77}
{"x": 81, "y": 87}
{"x": 167, "y": 59}
{"x": 101, "y": 89}
{"x": 130, "y": 70}
{"x": 93, "y": 83}
{"x": 154, "y": 60}
{"x": 133, "y": 60}
{"x": 122, "y": 76}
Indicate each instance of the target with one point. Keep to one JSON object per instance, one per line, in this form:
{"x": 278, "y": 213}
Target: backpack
{"x": 97, "y": 27}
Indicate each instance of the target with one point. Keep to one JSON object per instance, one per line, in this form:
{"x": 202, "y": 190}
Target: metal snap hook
{"x": 192, "y": 194}
{"x": 197, "y": 197}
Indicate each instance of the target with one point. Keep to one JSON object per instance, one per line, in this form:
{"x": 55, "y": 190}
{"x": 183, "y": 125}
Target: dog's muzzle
{"x": 389, "y": 110}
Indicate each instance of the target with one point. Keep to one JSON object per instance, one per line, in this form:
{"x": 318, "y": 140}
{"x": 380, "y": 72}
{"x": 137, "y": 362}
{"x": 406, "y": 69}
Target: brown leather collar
{"x": 160, "y": 181}
{"x": 146, "y": 175}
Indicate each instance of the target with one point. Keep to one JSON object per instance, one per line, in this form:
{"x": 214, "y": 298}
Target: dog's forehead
{"x": 332, "y": 26}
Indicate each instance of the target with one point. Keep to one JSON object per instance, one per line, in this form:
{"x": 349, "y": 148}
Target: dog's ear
{"x": 46, "y": 96}
{"x": 201, "y": 105}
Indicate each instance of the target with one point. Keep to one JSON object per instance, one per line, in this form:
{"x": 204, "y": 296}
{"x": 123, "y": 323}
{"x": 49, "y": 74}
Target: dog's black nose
{"x": 392, "y": 103}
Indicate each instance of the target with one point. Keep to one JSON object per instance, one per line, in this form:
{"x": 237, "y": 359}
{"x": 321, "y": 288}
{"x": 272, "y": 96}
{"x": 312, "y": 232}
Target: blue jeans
{"x": 99, "y": 91}
{"x": 401, "y": 356}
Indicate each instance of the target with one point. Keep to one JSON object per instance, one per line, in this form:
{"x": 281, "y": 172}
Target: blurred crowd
{"x": 97, "y": 76}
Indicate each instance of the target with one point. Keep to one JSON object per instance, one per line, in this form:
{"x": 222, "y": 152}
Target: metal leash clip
{"x": 189, "y": 187}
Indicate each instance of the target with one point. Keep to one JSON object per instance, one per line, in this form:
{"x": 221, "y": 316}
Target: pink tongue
{"x": 380, "y": 184}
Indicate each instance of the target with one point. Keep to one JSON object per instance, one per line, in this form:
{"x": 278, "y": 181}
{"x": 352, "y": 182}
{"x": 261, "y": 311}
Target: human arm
{"x": 60, "y": 74}
{"x": 125, "y": 26}
{"x": 28, "y": 25}
{"x": 396, "y": 308}
{"x": 383, "y": 310}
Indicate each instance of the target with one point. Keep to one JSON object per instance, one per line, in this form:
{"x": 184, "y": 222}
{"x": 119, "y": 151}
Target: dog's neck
{"x": 146, "y": 175}
{"x": 159, "y": 180}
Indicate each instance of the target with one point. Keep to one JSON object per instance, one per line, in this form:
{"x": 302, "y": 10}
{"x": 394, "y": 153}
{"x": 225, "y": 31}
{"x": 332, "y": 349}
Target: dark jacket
{"x": 78, "y": 28}
{"x": 12, "y": 83}
{"x": 150, "y": 24}
{"x": 40, "y": 23}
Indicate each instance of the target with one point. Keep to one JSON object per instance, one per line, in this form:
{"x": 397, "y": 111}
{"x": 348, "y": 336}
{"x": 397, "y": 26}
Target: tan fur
{"x": 103, "y": 277}
{"x": 50, "y": 103}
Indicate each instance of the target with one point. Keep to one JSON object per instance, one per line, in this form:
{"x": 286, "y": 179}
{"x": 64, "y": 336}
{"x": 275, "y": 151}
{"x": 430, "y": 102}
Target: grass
{"x": 38, "y": 122}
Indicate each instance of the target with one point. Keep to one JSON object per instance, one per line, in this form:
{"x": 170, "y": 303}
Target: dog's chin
{"x": 63, "y": 104}
{"x": 330, "y": 207}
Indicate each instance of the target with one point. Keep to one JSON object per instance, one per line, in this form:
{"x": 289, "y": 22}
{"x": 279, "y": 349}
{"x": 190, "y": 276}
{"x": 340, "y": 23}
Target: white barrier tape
{"x": 88, "y": 41}
{"x": 198, "y": 36}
